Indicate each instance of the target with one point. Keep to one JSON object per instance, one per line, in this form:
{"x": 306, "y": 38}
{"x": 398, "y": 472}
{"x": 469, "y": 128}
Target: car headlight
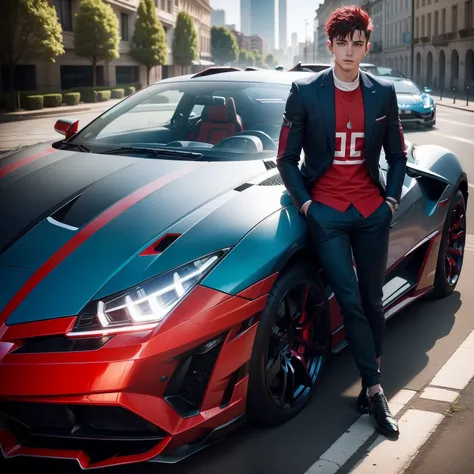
{"x": 145, "y": 305}
{"x": 428, "y": 105}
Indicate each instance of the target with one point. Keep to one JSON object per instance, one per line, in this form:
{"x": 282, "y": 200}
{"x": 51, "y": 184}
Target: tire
{"x": 452, "y": 238}
{"x": 271, "y": 357}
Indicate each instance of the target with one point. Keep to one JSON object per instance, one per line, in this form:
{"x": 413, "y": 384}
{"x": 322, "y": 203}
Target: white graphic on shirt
{"x": 353, "y": 152}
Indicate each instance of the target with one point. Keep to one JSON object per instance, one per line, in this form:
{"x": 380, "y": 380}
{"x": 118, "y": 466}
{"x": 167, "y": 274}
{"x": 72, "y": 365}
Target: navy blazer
{"x": 309, "y": 124}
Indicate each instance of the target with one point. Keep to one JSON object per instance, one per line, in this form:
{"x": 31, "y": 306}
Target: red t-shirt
{"x": 347, "y": 181}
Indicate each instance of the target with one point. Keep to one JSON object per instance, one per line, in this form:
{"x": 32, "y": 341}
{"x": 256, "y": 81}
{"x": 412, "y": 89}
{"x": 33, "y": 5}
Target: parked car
{"x": 157, "y": 284}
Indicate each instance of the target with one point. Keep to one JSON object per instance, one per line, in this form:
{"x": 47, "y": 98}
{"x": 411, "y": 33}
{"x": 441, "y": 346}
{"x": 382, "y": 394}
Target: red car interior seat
{"x": 217, "y": 122}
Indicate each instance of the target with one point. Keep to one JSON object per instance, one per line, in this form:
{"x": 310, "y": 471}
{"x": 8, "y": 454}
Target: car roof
{"x": 267, "y": 76}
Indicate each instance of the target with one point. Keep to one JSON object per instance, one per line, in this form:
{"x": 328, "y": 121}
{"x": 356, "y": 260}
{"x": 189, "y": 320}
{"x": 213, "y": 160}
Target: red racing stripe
{"x": 83, "y": 234}
{"x": 18, "y": 164}
{"x": 283, "y": 141}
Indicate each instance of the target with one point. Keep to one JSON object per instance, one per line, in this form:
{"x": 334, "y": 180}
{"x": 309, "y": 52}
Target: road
{"x": 419, "y": 341}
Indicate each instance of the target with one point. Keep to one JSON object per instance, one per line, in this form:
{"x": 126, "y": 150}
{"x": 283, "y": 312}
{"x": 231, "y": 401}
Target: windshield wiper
{"x": 154, "y": 151}
{"x": 64, "y": 144}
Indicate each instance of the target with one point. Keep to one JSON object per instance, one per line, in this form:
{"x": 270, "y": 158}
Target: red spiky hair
{"x": 346, "y": 20}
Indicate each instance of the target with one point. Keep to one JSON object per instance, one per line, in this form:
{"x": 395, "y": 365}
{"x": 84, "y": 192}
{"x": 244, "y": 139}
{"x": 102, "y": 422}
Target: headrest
{"x": 220, "y": 113}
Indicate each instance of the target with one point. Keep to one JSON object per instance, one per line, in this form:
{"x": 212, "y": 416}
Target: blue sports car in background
{"x": 416, "y": 106}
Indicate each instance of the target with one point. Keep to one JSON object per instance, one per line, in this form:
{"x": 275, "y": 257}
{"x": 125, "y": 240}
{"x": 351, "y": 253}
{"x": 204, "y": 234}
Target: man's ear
{"x": 329, "y": 45}
{"x": 367, "y": 47}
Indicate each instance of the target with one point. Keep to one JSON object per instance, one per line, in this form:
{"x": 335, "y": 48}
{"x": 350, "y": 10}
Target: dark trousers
{"x": 337, "y": 236}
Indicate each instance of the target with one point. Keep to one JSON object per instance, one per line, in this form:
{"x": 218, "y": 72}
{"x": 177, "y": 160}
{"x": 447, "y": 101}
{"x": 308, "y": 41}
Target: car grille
{"x": 188, "y": 384}
{"x": 99, "y": 431}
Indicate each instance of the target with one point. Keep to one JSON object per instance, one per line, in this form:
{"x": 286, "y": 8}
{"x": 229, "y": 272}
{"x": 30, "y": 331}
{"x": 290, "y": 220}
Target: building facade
{"x": 70, "y": 71}
{"x": 263, "y": 20}
{"x": 218, "y": 18}
{"x": 444, "y": 44}
{"x": 245, "y": 7}
{"x": 391, "y": 38}
{"x": 282, "y": 25}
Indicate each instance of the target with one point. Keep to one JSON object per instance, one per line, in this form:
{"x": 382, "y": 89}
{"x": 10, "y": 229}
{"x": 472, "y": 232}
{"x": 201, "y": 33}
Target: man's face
{"x": 349, "y": 52}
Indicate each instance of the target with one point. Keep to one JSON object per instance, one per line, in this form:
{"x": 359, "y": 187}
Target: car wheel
{"x": 451, "y": 250}
{"x": 291, "y": 347}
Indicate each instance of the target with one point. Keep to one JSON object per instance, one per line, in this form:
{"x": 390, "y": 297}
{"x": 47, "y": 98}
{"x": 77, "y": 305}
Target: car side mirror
{"x": 67, "y": 127}
{"x": 427, "y": 90}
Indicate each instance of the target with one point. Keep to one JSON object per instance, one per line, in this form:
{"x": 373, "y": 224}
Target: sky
{"x": 298, "y": 11}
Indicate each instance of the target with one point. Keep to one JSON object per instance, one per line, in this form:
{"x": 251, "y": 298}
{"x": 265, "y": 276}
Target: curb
{"x": 17, "y": 117}
{"x": 457, "y": 107}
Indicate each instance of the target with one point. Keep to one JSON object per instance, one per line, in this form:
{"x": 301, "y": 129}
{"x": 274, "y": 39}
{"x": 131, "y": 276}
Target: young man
{"x": 341, "y": 118}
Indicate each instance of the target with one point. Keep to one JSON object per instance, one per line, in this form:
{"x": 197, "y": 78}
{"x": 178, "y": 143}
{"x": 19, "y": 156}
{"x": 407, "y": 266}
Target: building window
{"x": 443, "y": 21}
{"x": 417, "y": 28}
{"x": 454, "y": 18}
{"x": 429, "y": 24}
{"x": 127, "y": 74}
{"x": 467, "y": 14}
{"x": 436, "y": 23}
{"x": 423, "y": 26}
{"x": 64, "y": 12}
{"x": 170, "y": 7}
{"x": 176, "y": 3}
{"x": 80, "y": 76}
{"x": 24, "y": 78}
{"x": 124, "y": 26}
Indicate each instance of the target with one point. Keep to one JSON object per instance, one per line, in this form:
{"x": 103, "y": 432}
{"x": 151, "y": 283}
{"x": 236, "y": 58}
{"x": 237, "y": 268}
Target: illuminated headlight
{"x": 147, "y": 304}
{"x": 428, "y": 105}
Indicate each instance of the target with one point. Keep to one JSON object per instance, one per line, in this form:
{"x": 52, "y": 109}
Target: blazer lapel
{"x": 370, "y": 109}
{"x": 328, "y": 109}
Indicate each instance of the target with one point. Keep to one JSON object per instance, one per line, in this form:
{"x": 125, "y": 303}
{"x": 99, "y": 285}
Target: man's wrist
{"x": 305, "y": 204}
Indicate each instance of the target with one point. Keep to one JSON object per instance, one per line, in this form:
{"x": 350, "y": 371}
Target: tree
{"x": 29, "y": 29}
{"x": 270, "y": 60}
{"x": 185, "y": 41}
{"x": 97, "y": 33}
{"x": 225, "y": 48}
{"x": 258, "y": 58}
{"x": 149, "y": 39}
{"x": 243, "y": 58}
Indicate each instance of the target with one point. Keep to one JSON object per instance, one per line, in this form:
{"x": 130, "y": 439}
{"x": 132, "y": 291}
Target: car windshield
{"x": 406, "y": 87}
{"x": 383, "y": 71}
{"x": 221, "y": 120}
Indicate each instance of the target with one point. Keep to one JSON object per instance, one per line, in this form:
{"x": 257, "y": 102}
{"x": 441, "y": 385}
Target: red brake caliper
{"x": 306, "y": 334}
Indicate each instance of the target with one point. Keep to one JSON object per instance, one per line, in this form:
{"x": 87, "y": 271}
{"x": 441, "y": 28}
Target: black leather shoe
{"x": 363, "y": 401}
{"x": 383, "y": 420}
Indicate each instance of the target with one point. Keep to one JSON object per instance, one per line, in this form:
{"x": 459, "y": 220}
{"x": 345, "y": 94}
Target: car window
{"x": 207, "y": 115}
{"x": 406, "y": 87}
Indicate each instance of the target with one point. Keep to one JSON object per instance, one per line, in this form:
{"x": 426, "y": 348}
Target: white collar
{"x": 346, "y": 86}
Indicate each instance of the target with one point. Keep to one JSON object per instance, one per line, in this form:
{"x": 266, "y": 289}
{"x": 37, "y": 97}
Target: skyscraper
{"x": 262, "y": 20}
{"x": 245, "y": 7}
{"x": 282, "y": 25}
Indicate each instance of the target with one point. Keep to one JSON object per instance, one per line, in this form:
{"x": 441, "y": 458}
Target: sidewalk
{"x": 6, "y": 117}
{"x": 450, "y": 448}
{"x": 459, "y": 105}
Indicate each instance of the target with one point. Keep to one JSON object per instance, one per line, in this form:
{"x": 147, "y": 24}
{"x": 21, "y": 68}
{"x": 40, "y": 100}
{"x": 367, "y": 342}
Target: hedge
{"x": 130, "y": 90}
{"x": 102, "y": 96}
{"x": 53, "y": 100}
{"x": 72, "y": 98}
{"x": 34, "y": 102}
{"x": 118, "y": 93}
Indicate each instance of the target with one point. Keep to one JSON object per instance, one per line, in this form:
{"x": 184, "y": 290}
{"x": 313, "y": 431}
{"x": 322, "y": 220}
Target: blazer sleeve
{"x": 395, "y": 152}
{"x": 290, "y": 145}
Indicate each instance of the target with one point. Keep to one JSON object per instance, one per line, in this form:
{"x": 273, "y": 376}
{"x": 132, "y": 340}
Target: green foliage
{"x": 149, "y": 39}
{"x": 72, "y": 98}
{"x": 34, "y": 102}
{"x": 102, "y": 96}
{"x": 130, "y": 90}
{"x": 270, "y": 60}
{"x": 185, "y": 40}
{"x": 53, "y": 100}
{"x": 97, "y": 33}
{"x": 225, "y": 48}
{"x": 29, "y": 29}
{"x": 258, "y": 58}
{"x": 118, "y": 93}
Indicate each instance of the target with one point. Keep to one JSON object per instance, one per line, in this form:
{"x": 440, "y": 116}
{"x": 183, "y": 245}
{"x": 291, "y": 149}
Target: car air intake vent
{"x": 165, "y": 242}
{"x": 270, "y": 164}
{"x": 188, "y": 384}
{"x": 272, "y": 181}
{"x": 243, "y": 187}
{"x": 37, "y": 345}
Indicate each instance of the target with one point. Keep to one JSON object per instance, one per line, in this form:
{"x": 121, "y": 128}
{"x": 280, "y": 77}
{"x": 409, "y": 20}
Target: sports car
{"x": 416, "y": 107}
{"x": 158, "y": 287}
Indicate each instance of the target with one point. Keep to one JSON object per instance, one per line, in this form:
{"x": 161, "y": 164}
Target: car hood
{"x": 413, "y": 100}
{"x": 75, "y": 224}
